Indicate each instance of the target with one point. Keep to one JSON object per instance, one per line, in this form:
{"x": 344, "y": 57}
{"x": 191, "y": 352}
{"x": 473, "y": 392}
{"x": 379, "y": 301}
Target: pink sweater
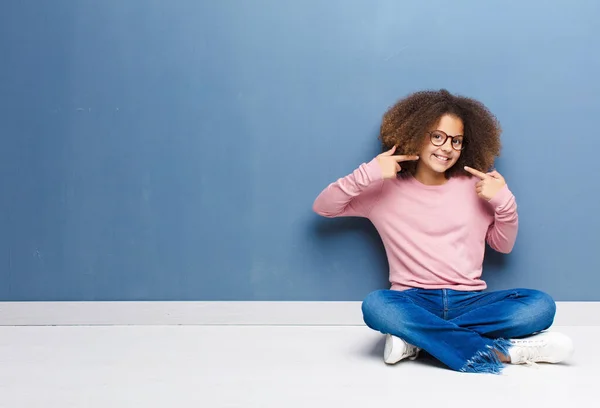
{"x": 434, "y": 236}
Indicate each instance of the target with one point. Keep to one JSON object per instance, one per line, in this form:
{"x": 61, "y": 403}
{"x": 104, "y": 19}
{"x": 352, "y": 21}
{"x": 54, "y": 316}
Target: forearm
{"x": 503, "y": 233}
{"x": 348, "y": 195}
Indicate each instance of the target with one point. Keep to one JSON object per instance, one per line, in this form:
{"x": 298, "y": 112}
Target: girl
{"x": 435, "y": 209}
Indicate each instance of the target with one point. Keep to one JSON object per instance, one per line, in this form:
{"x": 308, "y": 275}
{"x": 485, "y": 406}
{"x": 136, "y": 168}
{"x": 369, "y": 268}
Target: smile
{"x": 442, "y": 158}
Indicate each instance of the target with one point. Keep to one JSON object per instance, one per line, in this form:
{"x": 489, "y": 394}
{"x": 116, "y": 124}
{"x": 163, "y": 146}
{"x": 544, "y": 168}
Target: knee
{"x": 544, "y": 307}
{"x": 539, "y": 312}
{"x": 372, "y": 307}
{"x": 382, "y": 309}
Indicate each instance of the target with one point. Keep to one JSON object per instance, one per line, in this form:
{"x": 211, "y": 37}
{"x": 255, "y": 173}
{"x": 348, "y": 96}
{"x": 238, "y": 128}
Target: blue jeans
{"x": 461, "y": 329}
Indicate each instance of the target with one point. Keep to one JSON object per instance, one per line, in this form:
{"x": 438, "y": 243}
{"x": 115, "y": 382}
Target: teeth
{"x": 441, "y": 158}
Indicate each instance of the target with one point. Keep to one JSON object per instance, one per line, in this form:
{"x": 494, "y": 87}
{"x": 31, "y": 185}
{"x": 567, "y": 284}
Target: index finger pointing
{"x": 476, "y": 173}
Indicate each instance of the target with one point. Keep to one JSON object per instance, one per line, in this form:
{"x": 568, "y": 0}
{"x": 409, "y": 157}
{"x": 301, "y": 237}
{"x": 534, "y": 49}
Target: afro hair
{"x": 405, "y": 125}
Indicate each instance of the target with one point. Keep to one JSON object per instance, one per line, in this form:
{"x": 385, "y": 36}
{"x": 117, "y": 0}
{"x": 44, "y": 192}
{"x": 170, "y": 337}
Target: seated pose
{"x": 435, "y": 205}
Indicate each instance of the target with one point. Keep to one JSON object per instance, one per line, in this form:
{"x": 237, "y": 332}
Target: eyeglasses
{"x": 438, "y": 138}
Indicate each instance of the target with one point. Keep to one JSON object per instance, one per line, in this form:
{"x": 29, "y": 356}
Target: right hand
{"x": 390, "y": 164}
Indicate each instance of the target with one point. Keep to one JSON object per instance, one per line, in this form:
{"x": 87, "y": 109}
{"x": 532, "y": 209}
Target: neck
{"x": 429, "y": 177}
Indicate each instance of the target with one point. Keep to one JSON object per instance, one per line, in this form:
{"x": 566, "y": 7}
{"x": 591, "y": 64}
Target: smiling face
{"x": 437, "y": 155}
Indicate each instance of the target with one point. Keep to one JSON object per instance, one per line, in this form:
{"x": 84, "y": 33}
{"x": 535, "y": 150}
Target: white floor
{"x": 263, "y": 366}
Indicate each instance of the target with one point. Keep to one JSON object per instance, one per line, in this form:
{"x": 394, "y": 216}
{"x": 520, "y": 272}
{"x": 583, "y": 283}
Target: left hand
{"x": 489, "y": 184}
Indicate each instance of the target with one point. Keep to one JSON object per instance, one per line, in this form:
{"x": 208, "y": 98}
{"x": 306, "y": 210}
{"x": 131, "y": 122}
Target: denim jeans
{"x": 460, "y": 329}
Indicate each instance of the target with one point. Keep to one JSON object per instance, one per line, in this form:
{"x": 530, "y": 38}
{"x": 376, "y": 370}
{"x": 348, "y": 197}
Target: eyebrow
{"x": 440, "y": 130}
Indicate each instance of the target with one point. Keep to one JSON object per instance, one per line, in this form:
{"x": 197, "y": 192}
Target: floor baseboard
{"x": 224, "y": 313}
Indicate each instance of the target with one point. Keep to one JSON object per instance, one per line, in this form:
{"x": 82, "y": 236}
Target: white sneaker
{"x": 546, "y": 347}
{"x": 397, "y": 349}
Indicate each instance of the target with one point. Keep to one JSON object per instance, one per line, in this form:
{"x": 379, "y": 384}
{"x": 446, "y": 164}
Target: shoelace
{"x": 529, "y": 353}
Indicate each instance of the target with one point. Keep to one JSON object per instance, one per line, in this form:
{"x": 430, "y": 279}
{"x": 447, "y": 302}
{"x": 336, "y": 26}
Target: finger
{"x": 479, "y": 190}
{"x": 479, "y": 184}
{"x": 390, "y": 152}
{"x": 398, "y": 168}
{"x": 402, "y": 157}
{"x": 498, "y": 176}
{"x": 476, "y": 173}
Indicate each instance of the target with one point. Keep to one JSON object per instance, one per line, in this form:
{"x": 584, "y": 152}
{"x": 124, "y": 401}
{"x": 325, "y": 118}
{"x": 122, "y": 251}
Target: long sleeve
{"x": 502, "y": 234}
{"x": 353, "y": 195}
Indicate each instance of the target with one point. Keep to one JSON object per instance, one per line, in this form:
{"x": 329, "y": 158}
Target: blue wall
{"x": 171, "y": 150}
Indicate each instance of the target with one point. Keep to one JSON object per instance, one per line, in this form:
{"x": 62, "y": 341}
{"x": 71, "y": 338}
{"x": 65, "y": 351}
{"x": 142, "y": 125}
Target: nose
{"x": 447, "y": 146}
